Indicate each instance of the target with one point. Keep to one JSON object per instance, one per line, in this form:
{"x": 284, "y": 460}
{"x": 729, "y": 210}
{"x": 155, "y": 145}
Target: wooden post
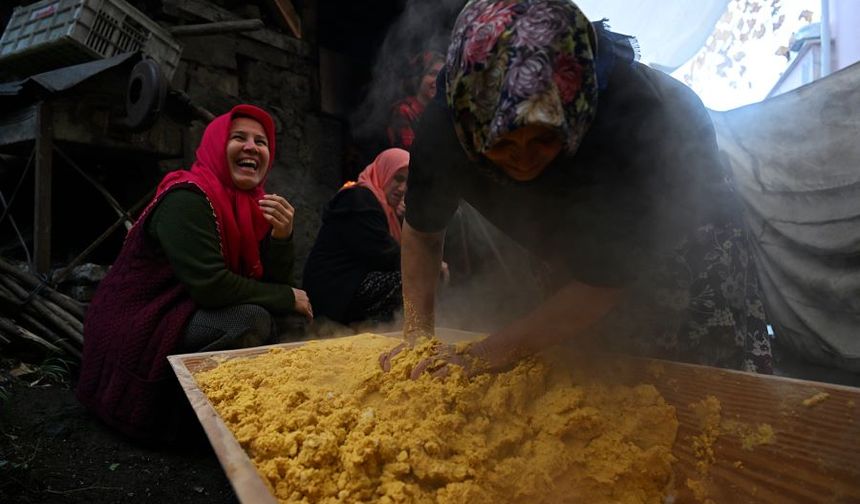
{"x": 309, "y": 21}
{"x": 42, "y": 184}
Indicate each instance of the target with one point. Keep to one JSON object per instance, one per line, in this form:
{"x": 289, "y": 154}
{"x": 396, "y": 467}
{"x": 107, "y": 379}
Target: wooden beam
{"x": 42, "y": 192}
{"x": 211, "y": 12}
{"x": 10, "y": 327}
{"x": 288, "y": 16}
{"x": 219, "y": 27}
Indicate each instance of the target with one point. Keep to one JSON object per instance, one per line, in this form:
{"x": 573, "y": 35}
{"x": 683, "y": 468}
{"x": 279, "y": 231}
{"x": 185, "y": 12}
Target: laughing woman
{"x": 205, "y": 267}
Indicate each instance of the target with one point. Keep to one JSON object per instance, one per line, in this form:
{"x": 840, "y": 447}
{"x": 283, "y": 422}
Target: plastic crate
{"x": 56, "y": 33}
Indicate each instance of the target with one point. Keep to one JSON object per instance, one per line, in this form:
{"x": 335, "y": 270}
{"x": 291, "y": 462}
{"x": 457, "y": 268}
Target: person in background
{"x": 604, "y": 168}
{"x": 204, "y": 267}
{"x": 420, "y": 88}
{"x": 353, "y": 271}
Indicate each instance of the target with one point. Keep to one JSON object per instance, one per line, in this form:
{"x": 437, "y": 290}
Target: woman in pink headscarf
{"x": 353, "y": 271}
{"x": 204, "y": 268}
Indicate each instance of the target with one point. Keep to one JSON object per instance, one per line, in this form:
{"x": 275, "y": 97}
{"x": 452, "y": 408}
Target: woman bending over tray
{"x": 605, "y": 169}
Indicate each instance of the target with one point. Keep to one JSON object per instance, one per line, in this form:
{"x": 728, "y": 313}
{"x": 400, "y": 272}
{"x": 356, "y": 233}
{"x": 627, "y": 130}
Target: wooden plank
{"x": 288, "y": 15}
{"x": 814, "y": 455}
{"x": 211, "y": 12}
{"x": 815, "y": 452}
{"x": 237, "y": 466}
{"x": 42, "y": 203}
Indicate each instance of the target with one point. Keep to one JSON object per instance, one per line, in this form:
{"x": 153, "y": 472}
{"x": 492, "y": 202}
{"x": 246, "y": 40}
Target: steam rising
{"x": 495, "y": 292}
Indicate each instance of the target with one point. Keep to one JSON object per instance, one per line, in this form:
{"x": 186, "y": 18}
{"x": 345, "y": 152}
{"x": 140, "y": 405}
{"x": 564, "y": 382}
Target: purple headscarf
{"x": 513, "y": 63}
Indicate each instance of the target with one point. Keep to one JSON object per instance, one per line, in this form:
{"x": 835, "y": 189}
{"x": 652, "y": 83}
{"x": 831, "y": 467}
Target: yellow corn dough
{"x": 323, "y": 423}
{"x": 817, "y": 398}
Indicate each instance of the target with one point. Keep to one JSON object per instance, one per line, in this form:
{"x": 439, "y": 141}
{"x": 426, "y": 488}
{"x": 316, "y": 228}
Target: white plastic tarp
{"x": 796, "y": 162}
{"x": 669, "y": 32}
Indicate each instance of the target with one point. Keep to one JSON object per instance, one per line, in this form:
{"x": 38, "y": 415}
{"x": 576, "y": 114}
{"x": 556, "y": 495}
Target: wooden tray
{"x": 814, "y": 457}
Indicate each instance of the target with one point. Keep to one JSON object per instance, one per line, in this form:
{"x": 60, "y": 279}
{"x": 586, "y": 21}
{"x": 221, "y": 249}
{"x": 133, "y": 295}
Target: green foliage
{"x": 54, "y": 369}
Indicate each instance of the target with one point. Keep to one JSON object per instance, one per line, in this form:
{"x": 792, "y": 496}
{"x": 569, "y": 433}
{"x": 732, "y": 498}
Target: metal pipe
{"x": 825, "y": 38}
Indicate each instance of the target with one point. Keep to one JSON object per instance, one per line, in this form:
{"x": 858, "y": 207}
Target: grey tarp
{"x": 61, "y": 79}
{"x": 796, "y": 162}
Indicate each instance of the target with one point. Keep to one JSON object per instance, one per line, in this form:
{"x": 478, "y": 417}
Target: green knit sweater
{"x": 183, "y": 226}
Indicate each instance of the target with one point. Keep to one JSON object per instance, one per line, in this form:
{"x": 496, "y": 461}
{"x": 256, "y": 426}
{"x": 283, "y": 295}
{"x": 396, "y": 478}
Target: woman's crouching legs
{"x": 239, "y": 326}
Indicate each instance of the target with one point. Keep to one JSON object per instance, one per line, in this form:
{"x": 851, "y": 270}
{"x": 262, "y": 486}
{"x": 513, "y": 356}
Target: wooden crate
{"x": 814, "y": 456}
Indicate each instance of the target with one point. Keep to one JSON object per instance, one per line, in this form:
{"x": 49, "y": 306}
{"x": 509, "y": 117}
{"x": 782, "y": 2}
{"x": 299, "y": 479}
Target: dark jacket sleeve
{"x": 184, "y": 227}
{"x": 364, "y": 229}
{"x": 278, "y": 256}
{"x": 436, "y": 164}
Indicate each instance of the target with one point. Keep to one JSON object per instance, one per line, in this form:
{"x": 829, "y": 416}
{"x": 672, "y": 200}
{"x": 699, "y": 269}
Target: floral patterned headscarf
{"x": 513, "y": 63}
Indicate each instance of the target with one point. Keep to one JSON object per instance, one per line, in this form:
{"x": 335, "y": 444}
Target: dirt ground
{"x": 53, "y": 451}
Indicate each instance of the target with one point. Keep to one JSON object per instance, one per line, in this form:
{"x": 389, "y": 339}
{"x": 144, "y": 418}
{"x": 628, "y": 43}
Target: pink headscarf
{"x": 240, "y": 221}
{"x": 377, "y": 175}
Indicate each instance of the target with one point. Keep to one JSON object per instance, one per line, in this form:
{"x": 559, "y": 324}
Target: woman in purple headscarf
{"x": 605, "y": 169}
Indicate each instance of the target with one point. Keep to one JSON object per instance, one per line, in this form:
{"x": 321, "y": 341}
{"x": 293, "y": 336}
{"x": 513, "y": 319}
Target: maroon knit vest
{"x": 134, "y": 322}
